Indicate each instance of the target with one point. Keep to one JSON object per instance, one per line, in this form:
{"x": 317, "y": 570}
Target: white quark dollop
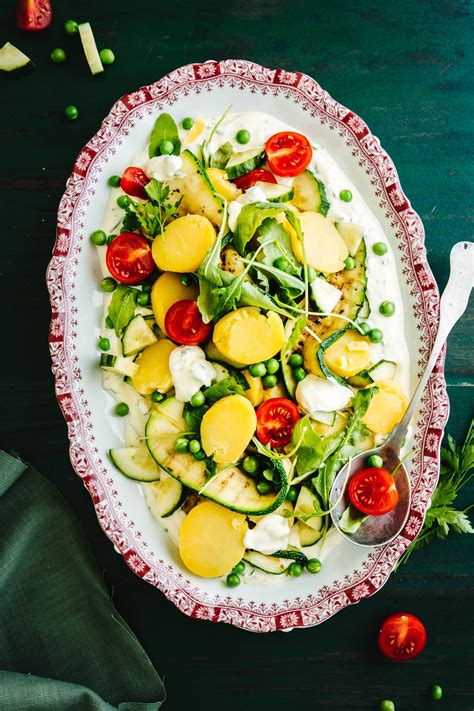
{"x": 164, "y": 167}
{"x": 269, "y": 535}
{"x": 254, "y": 194}
{"x": 319, "y": 394}
{"x": 189, "y": 371}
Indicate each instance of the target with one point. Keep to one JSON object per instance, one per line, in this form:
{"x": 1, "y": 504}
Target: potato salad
{"x": 252, "y": 339}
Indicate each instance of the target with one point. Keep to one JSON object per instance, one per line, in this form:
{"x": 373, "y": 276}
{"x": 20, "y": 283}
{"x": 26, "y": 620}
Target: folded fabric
{"x": 63, "y": 645}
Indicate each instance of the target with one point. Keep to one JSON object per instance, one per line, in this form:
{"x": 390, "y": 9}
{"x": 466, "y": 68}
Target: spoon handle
{"x": 453, "y": 303}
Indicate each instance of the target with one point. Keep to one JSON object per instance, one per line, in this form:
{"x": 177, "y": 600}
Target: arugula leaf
{"x": 252, "y": 295}
{"x": 289, "y": 281}
{"x": 221, "y": 157}
{"x": 227, "y": 386}
{"x": 193, "y": 416}
{"x": 252, "y": 216}
{"x": 277, "y": 243}
{"x": 165, "y": 129}
{"x": 351, "y": 519}
{"x": 122, "y": 307}
{"x": 311, "y": 449}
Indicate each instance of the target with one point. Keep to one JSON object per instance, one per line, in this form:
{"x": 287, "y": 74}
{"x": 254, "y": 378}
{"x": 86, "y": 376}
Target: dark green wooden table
{"x": 407, "y": 68}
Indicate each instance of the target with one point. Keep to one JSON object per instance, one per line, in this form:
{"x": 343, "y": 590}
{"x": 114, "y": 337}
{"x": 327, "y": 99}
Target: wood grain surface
{"x": 407, "y": 69}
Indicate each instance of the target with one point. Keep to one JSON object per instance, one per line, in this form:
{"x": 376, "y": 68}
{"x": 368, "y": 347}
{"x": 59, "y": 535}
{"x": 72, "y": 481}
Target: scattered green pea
{"x": 104, "y": 343}
{"x": 281, "y": 263}
{"x": 242, "y": 136}
{"x": 299, "y": 374}
{"x": 313, "y": 566}
{"x": 258, "y": 370}
{"x": 156, "y": 396}
{"x": 239, "y": 568}
{"x": 272, "y": 365}
{"x": 181, "y": 445}
{"x": 186, "y": 279}
{"x": 387, "y": 308}
{"x": 123, "y": 201}
{"x": 375, "y": 335}
{"x": 436, "y": 692}
{"x": 375, "y": 460}
{"x": 269, "y": 381}
{"x": 98, "y": 237}
{"x": 379, "y": 248}
{"x": 71, "y": 113}
{"x": 166, "y": 147}
{"x": 295, "y": 570}
{"x": 264, "y": 487}
{"x": 364, "y": 327}
{"x": 114, "y": 181}
{"x": 349, "y": 263}
{"x": 250, "y": 464}
{"x": 194, "y": 446}
{"x": 233, "y": 580}
{"x": 108, "y": 322}
{"x": 143, "y": 298}
{"x": 292, "y": 494}
{"x": 199, "y": 456}
{"x": 268, "y": 474}
{"x": 108, "y": 284}
{"x": 71, "y": 27}
{"x": 58, "y": 55}
{"x": 198, "y": 399}
{"x": 121, "y": 409}
{"x": 107, "y": 56}
{"x": 295, "y": 360}
{"x": 345, "y": 195}
{"x": 110, "y": 238}
{"x": 187, "y": 123}
{"x": 386, "y": 705}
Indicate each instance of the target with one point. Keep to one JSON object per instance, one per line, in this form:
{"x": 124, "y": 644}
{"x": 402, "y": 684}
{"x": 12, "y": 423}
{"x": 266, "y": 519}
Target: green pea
{"x": 345, "y": 195}
{"x": 387, "y": 308}
{"x": 108, "y": 322}
{"x": 108, "y": 284}
{"x": 299, "y": 374}
{"x": 295, "y": 570}
{"x": 198, "y": 399}
{"x": 110, "y": 238}
{"x": 292, "y": 494}
{"x": 107, "y": 56}
{"x": 199, "y": 456}
{"x": 71, "y": 27}
{"x": 187, "y": 123}
{"x": 181, "y": 445}
{"x": 281, "y": 263}
{"x": 123, "y": 201}
{"x": 194, "y": 446}
{"x": 375, "y": 460}
{"x": 269, "y": 381}
{"x": 166, "y": 148}
{"x": 386, "y": 705}
{"x": 98, "y": 237}
{"x": 156, "y": 396}
{"x": 233, "y": 580}
{"x": 312, "y": 273}
{"x": 58, "y": 55}
{"x": 264, "y": 487}
{"x": 114, "y": 181}
{"x": 436, "y": 692}
{"x": 71, "y": 113}
{"x": 143, "y": 298}
{"x": 242, "y": 136}
{"x": 239, "y": 568}
{"x": 268, "y": 474}
{"x": 121, "y": 409}
{"x": 272, "y": 365}
{"x": 375, "y": 335}
{"x": 104, "y": 344}
{"x": 313, "y": 566}
{"x": 379, "y": 248}
{"x": 295, "y": 360}
{"x": 258, "y": 370}
{"x": 186, "y": 279}
{"x": 364, "y": 327}
{"x": 349, "y": 263}
{"x": 250, "y": 464}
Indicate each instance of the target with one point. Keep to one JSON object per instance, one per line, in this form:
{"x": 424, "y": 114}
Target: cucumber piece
{"x": 351, "y": 234}
{"x": 324, "y": 294}
{"x": 304, "y": 507}
{"x": 196, "y": 190}
{"x": 310, "y": 193}
{"x": 136, "y": 463}
{"x": 13, "y": 62}
{"x": 275, "y": 192}
{"x": 244, "y": 162}
{"x": 267, "y": 563}
{"x": 326, "y": 418}
{"x": 137, "y": 336}
{"x": 118, "y": 365}
{"x": 221, "y": 371}
{"x": 90, "y": 48}
{"x": 360, "y": 380}
{"x": 320, "y": 355}
{"x": 231, "y": 488}
{"x": 308, "y": 536}
{"x": 383, "y": 370}
{"x": 164, "y": 497}
{"x": 364, "y": 311}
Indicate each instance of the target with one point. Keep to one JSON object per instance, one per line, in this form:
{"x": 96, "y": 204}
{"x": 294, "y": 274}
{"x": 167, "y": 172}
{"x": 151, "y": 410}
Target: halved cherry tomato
{"x": 373, "y": 491}
{"x": 33, "y": 14}
{"x": 288, "y": 153}
{"x": 276, "y": 420}
{"x": 184, "y": 324}
{"x": 129, "y": 258}
{"x": 133, "y": 182}
{"x": 402, "y": 637}
{"x": 259, "y": 175}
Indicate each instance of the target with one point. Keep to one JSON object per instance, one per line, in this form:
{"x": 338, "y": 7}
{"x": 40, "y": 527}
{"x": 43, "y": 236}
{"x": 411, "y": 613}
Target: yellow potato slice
{"x": 166, "y": 291}
{"x": 211, "y": 540}
{"x": 324, "y": 246}
{"x": 153, "y": 368}
{"x": 248, "y": 336}
{"x": 222, "y": 186}
{"x": 386, "y": 408}
{"x": 227, "y": 428}
{"x": 183, "y": 244}
{"x": 349, "y": 354}
{"x": 255, "y": 392}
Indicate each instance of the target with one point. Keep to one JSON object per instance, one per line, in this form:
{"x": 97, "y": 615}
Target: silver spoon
{"x": 377, "y": 530}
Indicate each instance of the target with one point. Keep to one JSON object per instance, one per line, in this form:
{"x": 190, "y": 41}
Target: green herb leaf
{"x": 165, "y": 129}
{"x": 351, "y": 519}
{"x": 277, "y": 243}
{"x": 221, "y": 157}
{"x": 251, "y": 218}
{"x": 252, "y": 295}
{"x": 193, "y": 416}
{"x": 122, "y": 307}
{"x": 311, "y": 449}
{"x": 228, "y": 386}
{"x": 151, "y": 217}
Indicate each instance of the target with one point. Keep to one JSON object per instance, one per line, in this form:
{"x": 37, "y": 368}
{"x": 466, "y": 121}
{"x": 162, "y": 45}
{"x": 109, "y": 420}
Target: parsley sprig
{"x": 151, "y": 217}
{"x": 457, "y": 469}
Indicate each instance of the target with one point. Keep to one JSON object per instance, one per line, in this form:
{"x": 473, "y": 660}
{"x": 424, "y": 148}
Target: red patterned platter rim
{"x": 62, "y": 275}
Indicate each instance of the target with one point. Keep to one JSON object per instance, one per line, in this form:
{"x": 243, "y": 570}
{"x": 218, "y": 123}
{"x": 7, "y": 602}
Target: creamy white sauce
{"x": 315, "y": 393}
{"x": 189, "y": 371}
{"x": 270, "y": 534}
{"x": 163, "y": 167}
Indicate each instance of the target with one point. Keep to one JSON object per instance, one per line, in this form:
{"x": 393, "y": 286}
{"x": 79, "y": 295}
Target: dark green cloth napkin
{"x": 63, "y": 645}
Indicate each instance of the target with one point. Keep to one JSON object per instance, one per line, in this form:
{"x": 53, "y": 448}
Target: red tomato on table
{"x": 184, "y": 324}
{"x": 373, "y": 491}
{"x": 133, "y": 182}
{"x": 276, "y": 420}
{"x": 402, "y": 637}
{"x": 288, "y": 153}
{"x": 259, "y": 175}
{"x": 129, "y": 258}
{"x": 33, "y": 14}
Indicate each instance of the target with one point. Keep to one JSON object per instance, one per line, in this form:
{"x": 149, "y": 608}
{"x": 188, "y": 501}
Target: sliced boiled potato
{"x": 277, "y": 390}
{"x": 310, "y": 357}
{"x": 213, "y": 353}
{"x": 349, "y": 354}
{"x": 324, "y": 246}
{"x": 183, "y": 244}
{"x": 386, "y": 408}
{"x": 227, "y": 428}
{"x": 222, "y": 185}
{"x": 153, "y": 368}
{"x": 248, "y": 336}
{"x": 166, "y": 291}
{"x": 211, "y": 540}
{"x": 255, "y": 392}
